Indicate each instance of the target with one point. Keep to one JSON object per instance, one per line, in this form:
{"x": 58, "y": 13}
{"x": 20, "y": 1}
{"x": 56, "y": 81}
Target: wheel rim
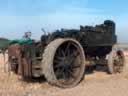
{"x": 67, "y": 63}
{"x": 118, "y": 62}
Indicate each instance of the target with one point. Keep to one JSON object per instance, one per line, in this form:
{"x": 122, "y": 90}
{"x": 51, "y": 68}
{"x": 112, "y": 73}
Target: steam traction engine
{"x": 62, "y": 56}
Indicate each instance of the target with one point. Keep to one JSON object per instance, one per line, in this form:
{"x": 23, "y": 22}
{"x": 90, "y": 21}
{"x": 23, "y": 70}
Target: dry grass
{"x": 96, "y": 84}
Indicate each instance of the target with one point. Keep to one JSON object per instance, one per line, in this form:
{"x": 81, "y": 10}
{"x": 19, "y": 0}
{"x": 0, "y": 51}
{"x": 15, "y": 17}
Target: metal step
{"x": 36, "y": 73}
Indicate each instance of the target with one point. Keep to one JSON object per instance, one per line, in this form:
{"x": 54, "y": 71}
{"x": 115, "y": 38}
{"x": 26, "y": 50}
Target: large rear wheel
{"x": 63, "y": 63}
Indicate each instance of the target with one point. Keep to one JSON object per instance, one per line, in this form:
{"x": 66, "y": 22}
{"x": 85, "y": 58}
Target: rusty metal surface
{"x": 14, "y": 54}
{"x": 19, "y": 62}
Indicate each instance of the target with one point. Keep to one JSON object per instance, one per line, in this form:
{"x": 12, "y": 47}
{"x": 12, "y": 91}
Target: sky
{"x": 19, "y": 16}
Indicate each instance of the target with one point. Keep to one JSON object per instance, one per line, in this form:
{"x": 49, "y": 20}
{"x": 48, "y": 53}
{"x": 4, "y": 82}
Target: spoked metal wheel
{"x": 65, "y": 63}
{"x": 116, "y": 62}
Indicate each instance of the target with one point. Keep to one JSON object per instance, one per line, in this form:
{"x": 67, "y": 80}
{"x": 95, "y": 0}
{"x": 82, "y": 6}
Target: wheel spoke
{"x": 75, "y": 54}
{"x": 59, "y": 58}
{"x": 71, "y": 74}
{"x": 67, "y": 48}
{"x": 63, "y": 53}
{"x": 68, "y": 54}
{"x": 76, "y": 66}
{"x": 60, "y": 65}
{"x": 73, "y": 57}
{"x": 64, "y": 75}
{"x": 59, "y": 72}
{"x": 56, "y": 61}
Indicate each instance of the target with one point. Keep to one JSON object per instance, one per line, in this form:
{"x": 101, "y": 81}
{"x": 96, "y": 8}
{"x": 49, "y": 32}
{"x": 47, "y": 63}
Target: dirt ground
{"x": 98, "y": 83}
